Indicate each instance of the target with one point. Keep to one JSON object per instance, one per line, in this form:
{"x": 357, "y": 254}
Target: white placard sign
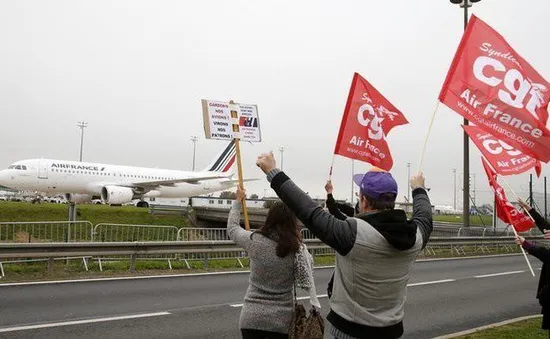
{"x": 220, "y": 124}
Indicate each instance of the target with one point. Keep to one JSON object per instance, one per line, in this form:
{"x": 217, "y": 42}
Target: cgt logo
{"x": 513, "y": 88}
{"x": 496, "y": 147}
{"x": 248, "y": 122}
{"x": 372, "y": 117}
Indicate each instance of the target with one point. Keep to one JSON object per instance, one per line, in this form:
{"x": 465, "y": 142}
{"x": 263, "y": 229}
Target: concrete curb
{"x": 473, "y": 330}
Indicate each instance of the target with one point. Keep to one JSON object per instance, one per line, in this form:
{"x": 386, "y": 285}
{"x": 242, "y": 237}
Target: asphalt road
{"x": 443, "y": 297}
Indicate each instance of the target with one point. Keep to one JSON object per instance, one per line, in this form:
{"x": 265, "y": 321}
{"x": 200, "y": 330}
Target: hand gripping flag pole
{"x": 234, "y": 116}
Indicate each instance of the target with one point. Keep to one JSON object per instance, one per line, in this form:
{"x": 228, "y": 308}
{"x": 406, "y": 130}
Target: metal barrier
{"x": 128, "y": 232}
{"x": 197, "y": 234}
{"x": 221, "y": 249}
{"x": 46, "y": 231}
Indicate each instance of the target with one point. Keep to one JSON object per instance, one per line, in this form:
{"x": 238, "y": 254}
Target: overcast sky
{"x": 136, "y": 70}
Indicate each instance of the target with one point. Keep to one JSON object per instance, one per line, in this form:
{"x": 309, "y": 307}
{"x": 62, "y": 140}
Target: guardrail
{"x": 84, "y": 231}
{"x": 209, "y": 249}
{"x": 46, "y": 231}
{"x": 127, "y": 232}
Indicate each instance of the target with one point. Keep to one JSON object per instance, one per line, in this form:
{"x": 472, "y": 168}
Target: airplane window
{"x": 24, "y": 167}
{"x": 18, "y": 167}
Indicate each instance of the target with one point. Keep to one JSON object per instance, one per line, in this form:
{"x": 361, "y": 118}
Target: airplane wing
{"x": 149, "y": 185}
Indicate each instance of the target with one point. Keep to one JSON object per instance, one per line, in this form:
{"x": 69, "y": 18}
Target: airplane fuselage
{"x": 60, "y": 177}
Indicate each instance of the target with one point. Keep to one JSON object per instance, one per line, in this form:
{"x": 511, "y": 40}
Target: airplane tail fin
{"x": 224, "y": 160}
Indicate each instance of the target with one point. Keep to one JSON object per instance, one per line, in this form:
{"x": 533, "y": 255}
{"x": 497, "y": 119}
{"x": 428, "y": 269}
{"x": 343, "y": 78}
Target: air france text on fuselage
{"x": 79, "y": 167}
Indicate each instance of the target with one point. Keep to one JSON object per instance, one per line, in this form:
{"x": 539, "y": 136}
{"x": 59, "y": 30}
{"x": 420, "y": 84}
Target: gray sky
{"x": 136, "y": 70}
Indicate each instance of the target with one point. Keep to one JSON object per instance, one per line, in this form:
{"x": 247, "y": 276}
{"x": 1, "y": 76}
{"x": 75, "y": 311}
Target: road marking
{"x": 30, "y": 283}
{"x": 431, "y": 282}
{"x": 497, "y": 274}
{"x": 79, "y": 322}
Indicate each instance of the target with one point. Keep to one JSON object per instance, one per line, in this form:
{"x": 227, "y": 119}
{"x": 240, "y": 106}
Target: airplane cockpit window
{"x": 23, "y": 167}
{"x": 11, "y": 167}
{"x": 18, "y": 167}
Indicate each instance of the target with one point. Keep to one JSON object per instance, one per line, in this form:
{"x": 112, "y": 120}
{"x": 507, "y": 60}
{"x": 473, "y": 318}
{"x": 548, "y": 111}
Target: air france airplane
{"x": 81, "y": 181}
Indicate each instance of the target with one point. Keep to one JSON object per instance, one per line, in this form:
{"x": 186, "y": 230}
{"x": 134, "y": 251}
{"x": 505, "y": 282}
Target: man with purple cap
{"x": 375, "y": 250}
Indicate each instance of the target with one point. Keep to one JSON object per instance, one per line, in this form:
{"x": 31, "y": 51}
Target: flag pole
{"x": 516, "y": 232}
{"x": 331, "y": 166}
{"x": 427, "y": 136}
{"x": 239, "y": 165}
{"x": 517, "y": 198}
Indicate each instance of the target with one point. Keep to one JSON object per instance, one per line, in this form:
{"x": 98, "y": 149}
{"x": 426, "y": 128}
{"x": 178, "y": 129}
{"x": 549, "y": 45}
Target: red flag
{"x": 504, "y": 209}
{"x": 494, "y": 87}
{"x": 505, "y": 159}
{"x": 367, "y": 119}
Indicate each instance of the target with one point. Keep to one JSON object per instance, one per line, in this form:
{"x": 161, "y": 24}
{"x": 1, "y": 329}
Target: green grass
{"x": 474, "y": 219}
{"x": 526, "y": 329}
{"x": 23, "y": 211}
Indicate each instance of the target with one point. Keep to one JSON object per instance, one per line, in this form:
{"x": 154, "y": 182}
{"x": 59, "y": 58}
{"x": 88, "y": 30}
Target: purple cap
{"x": 375, "y": 184}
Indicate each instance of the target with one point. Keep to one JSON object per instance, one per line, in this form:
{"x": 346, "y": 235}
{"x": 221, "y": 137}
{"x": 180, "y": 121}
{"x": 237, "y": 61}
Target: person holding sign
{"x": 543, "y": 254}
{"x": 268, "y": 303}
{"x": 375, "y": 250}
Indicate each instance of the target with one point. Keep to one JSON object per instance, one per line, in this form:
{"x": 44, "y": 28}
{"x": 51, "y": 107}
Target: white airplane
{"x": 82, "y": 181}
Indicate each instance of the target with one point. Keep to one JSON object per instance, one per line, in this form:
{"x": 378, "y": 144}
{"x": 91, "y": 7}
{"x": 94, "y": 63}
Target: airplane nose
{"x": 3, "y": 177}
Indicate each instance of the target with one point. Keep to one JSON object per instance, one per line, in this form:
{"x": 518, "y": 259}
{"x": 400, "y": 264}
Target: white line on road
{"x": 79, "y": 322}
{"x": 498, "y": 274}
{"x": 431, "y": 282}
{"x": 409, "y": 285}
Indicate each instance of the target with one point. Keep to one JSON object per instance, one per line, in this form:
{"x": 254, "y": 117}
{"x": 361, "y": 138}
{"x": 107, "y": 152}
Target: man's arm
{"x": 541, "y": 223}
{"x": 422, "y": 213}
{"x": 422, "y": 208}
{"x": 333, "y": 208}
{"x": 338, "y": 234}
{"x": 539, "y": 252}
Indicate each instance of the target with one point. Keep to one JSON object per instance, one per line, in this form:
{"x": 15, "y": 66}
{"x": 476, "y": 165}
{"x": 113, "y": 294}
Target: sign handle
{"x": 240, "y": 168}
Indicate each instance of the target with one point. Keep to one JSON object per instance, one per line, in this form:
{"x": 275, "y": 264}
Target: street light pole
{"x": 407, "y": 182}
{"x": 454, "y": 188}
{"x": 352, "y": 170}
{"x": 466, "y": 143}
{"x": 194, "y": 140}
{"x": 282, "y": 149}
{"x": 82, "y": 125}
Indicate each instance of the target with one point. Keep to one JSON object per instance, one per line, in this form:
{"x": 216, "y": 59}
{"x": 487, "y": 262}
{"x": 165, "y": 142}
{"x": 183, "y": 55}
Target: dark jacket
{"x": 340, "y": 211}
{"x": 383, "y": 244}
{"x": 543, "y": 254}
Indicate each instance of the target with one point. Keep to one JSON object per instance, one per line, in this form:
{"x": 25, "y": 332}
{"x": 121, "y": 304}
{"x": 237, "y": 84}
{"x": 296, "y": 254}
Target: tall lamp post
{"x": 282, "y": 150}
{"x": 194, "y": 140}
{"x": 466, "y": 191}
{"x": 407, "y": 182}
{"x": 454, "y": 189}
{"x": 81, "y": 125}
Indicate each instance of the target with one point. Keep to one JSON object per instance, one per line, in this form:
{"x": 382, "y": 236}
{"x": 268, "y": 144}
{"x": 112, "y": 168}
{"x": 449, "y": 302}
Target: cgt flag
{"x": 504, "y": 209}
{"x": 368, "y": 117}
{"x": 494, "y": 87}
{"x": 505, "y": 159}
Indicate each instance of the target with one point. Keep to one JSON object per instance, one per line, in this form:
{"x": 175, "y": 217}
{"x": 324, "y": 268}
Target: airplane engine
{"x": 78, "y": 198}
{"x": 115, "y": 195}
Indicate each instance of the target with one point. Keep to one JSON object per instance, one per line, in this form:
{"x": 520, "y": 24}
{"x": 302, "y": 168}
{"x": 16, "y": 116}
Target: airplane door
{"x": 43, "y": 170}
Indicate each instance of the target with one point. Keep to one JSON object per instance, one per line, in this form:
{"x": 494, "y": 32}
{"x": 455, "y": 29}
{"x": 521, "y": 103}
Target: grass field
{"x": 474, "y": 219}
{"x": 23, "y": 211}
{"x": 526, "y": 329}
